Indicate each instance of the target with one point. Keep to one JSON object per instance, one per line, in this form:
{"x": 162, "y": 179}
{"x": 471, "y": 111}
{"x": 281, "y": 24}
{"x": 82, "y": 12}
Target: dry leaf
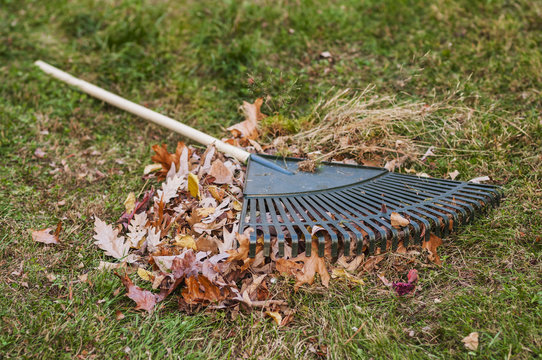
{"x": 39, "y": 153}
{"x": 107, "y": 239}
{"x": 431, "y": 246}
{"x": 151, "y": 168}
{"x": 275, "y": 315}
{"x": 193, "y": 186}
{"x": 216, "y": 192}
{"x": 341, "y": 273}
{"x": 248, "y": 127}
{"x": 185, "y": 241}
{"x": 129, "y": 203}
{"x": 163, "y": 157}
{"x": 144, "y": 299}
{"x": 221, "y": 173}
{"x": 311, "y": 266}
{"x": 397, "y": 221}
{"x": 479, "y": 180}
{"x": 119, "y": 315}
{"x": 200, "y": 290}
{"x": 145, "y": 274}
{"x": 45, "y": 236}
{"x": 453, "y": 174}
{"x": 471, "y": 341}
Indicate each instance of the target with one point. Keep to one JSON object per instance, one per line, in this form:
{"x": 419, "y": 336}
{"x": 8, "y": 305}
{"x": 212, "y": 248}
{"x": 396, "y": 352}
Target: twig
{"x": 357, "y": 332}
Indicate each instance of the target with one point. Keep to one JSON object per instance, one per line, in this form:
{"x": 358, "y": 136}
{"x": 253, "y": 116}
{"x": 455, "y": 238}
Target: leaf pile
{"x": 182, "y": 237}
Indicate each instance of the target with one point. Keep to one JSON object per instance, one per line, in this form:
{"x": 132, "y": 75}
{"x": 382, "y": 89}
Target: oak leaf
{"x": 107, "y": 239}
{"x": 200, "y": 290}
{"x": 164, "y": 158}
{"x": 45, "y": 236}
{"x": 144, "y": 299}
{"x": 221, "y": 173}
{"x": 249, "y": 127}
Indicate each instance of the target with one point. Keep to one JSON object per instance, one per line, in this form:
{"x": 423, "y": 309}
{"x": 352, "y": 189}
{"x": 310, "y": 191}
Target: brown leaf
{"x": 144, "y": 299}
{"x": 397, "y": 221}
{"x": 311, "y": 266}
{"x": 471, "y": 341}
{"x": 275, "y": 315}
{"x": 45, "y": 237}
{"x": 221, "y": 173}
{"x": 241, "y": 253}
{"x": 164, "y": 158}
{"x": 119, "y": 315}
{"x": 199, "y": 290}
{"x": 431, "y": 246}
{"x": 248, "y": 127}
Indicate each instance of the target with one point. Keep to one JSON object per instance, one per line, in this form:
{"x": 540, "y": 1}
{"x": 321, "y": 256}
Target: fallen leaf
{"x": 396, "y": 163}
{"x": 412, "y": 276}
{"x": 119, "y": 315}
{"x": 39, "y": 153}
{"x": 216, "y": 192}
{"x": 144, "y": 299}
{"x": 325, "y": 55}
{"x": 453, "y": 174}
{"x": 44, "y": 236}
{"x": 129, "y": 203}
{"x": 428, "y": 153}
{"x": 107, "y": 239}
{"x": 164, "y": 158}
{"x": 479, "y": 180}
{"x": 193, "y": 186}
{"x": 431, "y": 246}
{"x": 311, "y": 266}
{"x": 221, "y": 173}
{"x": 341, "y": 273}
{"x": 185, "y": 241}
{"x": 276, "y": 316}
{"x": 248, "y": 127}
{"x": 145, "y": 274}
{"x": 397, "y": 221}
{"x": 199, "y": 290}
{"x": 471, "y": 341}
{"x": 151, "y": 168}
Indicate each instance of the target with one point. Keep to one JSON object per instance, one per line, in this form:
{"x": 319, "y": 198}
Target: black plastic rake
{"x": 353, "y": 204}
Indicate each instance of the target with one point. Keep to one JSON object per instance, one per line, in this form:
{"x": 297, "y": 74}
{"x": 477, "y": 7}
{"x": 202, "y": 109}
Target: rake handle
{"x": 143, "y": 112}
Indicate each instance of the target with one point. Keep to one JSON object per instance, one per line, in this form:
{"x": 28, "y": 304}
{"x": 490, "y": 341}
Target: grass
{"x": 197, "y": 61}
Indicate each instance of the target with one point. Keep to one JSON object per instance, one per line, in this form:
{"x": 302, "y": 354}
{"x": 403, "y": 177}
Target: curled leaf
{"x": 193, "y": 186}
{"x": 397, "y": 221}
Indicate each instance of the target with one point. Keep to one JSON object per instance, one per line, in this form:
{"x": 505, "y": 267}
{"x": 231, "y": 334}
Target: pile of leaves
{"x": 182, "y": 239}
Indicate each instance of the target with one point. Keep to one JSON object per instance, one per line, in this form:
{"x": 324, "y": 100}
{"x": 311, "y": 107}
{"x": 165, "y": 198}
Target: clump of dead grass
{"x": 370, "y": 128}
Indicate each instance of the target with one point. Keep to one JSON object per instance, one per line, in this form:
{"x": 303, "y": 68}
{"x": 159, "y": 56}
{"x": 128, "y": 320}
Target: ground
{"x": 197, "y": 61}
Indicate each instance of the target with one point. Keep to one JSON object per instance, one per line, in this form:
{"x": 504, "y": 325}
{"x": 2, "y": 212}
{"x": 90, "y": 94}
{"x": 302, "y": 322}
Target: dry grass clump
{"x": 368, "y": 127}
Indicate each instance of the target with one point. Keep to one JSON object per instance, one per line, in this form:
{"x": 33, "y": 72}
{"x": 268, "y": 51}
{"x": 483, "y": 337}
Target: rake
{"x": 354, "y": 213}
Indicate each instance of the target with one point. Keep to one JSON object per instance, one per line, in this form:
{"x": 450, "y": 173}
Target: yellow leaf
{"x": 185, "y": 241}
{"x": 129, "y": 203}
{"x": 144, "y": 274}
{"x": 397, "y": 221}
{"x": 216, "y": 193}
{"x": 275, "y": 315}
{"x": 341, "y": 273}
{"x": 151, "y": 168}
{"x": 193, "y": 185}
{"x": 237, "y": 205}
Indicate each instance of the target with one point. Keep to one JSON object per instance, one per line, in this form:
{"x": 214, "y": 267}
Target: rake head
{"x": 353, "y": 205}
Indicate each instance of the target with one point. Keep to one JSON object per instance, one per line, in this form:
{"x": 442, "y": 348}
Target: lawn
{"x": 197, "y": 61}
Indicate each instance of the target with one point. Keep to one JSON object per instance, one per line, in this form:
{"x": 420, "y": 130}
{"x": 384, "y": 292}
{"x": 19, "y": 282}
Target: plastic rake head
{"x": 353, "y": 205}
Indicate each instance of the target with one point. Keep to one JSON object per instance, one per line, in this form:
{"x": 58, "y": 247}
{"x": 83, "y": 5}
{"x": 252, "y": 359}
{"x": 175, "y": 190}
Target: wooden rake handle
{"x": 143, "y": 112}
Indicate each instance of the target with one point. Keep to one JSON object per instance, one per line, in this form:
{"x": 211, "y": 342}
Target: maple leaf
{"x": 221, "y": 173}
{"x": 107, "y": 239}
{"x": 45, "y": 236}
{"x": 144, "y": 299}
{"x": 249, "y": 127}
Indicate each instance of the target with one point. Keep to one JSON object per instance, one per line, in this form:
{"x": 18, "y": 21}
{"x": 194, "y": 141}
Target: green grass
{"x": 197, "y": 61}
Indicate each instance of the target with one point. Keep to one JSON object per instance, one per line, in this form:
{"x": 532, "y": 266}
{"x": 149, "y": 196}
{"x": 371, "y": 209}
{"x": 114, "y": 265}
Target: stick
{"x": 143, "y": 112}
